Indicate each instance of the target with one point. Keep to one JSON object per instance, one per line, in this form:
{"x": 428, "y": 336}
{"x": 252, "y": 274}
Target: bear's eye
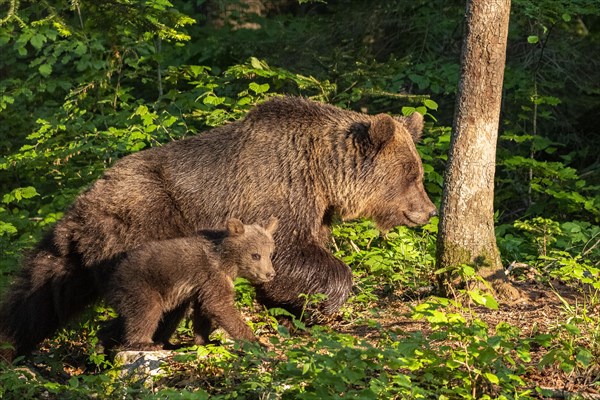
{"x": 256, "y": 257}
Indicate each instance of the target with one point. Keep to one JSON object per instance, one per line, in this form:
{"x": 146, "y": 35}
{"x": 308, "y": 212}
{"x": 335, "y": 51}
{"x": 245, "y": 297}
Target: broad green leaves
{"x": 258, "y": 89}
{"x": 18, "y": 194}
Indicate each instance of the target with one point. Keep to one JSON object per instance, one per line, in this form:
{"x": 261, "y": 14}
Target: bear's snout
{"x": 268, "y": 274}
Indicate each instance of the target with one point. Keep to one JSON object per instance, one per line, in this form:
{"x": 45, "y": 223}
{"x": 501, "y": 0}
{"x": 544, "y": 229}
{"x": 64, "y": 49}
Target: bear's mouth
{"x": 411, "y": 221}
{"x": 385, "y": 223}
{"x": 261, "y": 279}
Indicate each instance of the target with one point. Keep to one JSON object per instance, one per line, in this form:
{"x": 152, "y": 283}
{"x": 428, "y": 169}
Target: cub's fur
{"x": 168, "y": 275}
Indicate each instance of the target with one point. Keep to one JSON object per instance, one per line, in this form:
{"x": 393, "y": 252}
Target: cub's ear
{"x": 414, "y": 125}
{"x": 382, "y": 129}
{"x": 235, "y": 226}
{"x": 271, "y": 224}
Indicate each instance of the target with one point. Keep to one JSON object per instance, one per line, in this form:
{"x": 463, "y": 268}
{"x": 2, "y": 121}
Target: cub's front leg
{"x": 216, "y": 307}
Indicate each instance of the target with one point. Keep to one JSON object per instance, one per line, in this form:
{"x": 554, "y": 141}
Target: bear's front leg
{"x": 306, "y": 269}
{"x": 216, "y": 304}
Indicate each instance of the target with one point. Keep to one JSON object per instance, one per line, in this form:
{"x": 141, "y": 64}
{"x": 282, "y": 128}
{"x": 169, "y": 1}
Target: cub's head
{"x": 250, "y": 248}
{"x": 390, "y": 181}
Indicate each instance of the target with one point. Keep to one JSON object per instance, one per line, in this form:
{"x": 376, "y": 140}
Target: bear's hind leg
{"x": 203, "y": 326}
{"x": 168, "y": 325}
{"x": 141, "y": 321}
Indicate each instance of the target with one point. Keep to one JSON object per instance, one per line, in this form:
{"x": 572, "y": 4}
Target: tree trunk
{"x": 466, "y": 228}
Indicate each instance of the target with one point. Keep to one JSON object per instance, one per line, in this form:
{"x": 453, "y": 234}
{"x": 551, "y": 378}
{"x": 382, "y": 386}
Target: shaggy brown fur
{"x": 300, "y": 161}
{"x": 168, "y": 275}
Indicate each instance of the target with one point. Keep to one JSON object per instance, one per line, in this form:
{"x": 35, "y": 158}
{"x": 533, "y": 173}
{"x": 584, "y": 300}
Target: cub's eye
{"x": 256, "y": 257}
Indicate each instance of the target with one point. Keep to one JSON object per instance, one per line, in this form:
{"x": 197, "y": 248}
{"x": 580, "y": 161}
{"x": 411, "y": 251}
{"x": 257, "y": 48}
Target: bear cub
{"x": 166, "y": 277}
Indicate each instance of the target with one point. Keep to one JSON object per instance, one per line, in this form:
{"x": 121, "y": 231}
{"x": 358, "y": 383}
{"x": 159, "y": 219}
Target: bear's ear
{"x": 235, "y": 227}
{"x": 382, "y": 129}
{"x": 414, "y": 125}
{"x": 271, "y": 224}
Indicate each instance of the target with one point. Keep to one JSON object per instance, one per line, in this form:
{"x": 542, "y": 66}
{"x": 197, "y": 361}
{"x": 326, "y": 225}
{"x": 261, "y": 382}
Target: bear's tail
{"x": 48, "y": 291}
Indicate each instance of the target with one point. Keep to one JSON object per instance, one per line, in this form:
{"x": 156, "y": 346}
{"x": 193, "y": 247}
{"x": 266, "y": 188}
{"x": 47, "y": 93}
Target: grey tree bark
{"x": 466, "y": 228}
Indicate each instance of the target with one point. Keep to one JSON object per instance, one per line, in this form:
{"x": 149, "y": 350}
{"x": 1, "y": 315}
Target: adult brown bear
{"x": 295, "y": 159}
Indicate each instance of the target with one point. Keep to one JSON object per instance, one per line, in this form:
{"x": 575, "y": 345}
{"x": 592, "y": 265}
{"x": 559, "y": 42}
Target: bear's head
{"x": 250, "y": 249}
{"x": 392, "y": 188}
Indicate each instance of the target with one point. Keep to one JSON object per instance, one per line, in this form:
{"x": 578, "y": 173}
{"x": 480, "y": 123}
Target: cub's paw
{"x": 142, "y": 346}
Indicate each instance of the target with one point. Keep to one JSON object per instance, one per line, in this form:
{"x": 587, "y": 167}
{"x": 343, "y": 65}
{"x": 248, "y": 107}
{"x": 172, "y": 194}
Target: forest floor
{"x": 541, "y": 310}
{"x": 544, "y": 309}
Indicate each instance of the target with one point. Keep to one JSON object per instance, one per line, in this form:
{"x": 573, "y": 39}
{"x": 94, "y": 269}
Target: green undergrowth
{"x": 455, "y": 357}
{"x": 440, "y": 348}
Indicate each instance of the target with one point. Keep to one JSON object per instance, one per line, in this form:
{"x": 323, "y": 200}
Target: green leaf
{"x": 407, "y": 111}
{"x": 258, "y": 89}
{"x": 567, "y": 366}
{"x": 80, "y": 49}
{"x": 213, "y": 100}
{"x": 19, "y": 193}
{"x": 299, "y": 324}
{"x": 305, "y": 368}
{"x": 196, "y": 70}
{"x": 45, "y": 70}
{"x": 22, "y": 51}
{"x": 483, "y": 299}
{"x": 477, "y": 297}
{"x": 28, "y": 192}
{"x": 491, "y": 302}
{"x": 37, "y": 41}
{"x": 566, "y": 17}
{"x": 7, "y": 99}
{"x": 7, "y": 228}
{"x": 278, "y": 312}
{"x": 141, "y": 110}
{"x": 74, "y": 382}
{"x": 533, "y": 39}
{"x": 256, "y": 63}
{"x": 468, "y": 270}
{"x": 584, "y": 356}
{"x": 244, "y": 101}
{"x": 422, "y": 110}
{"x": 492, "y": 378}
{"x": 432, "y": 105}
{"x": 572, "y": 329}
